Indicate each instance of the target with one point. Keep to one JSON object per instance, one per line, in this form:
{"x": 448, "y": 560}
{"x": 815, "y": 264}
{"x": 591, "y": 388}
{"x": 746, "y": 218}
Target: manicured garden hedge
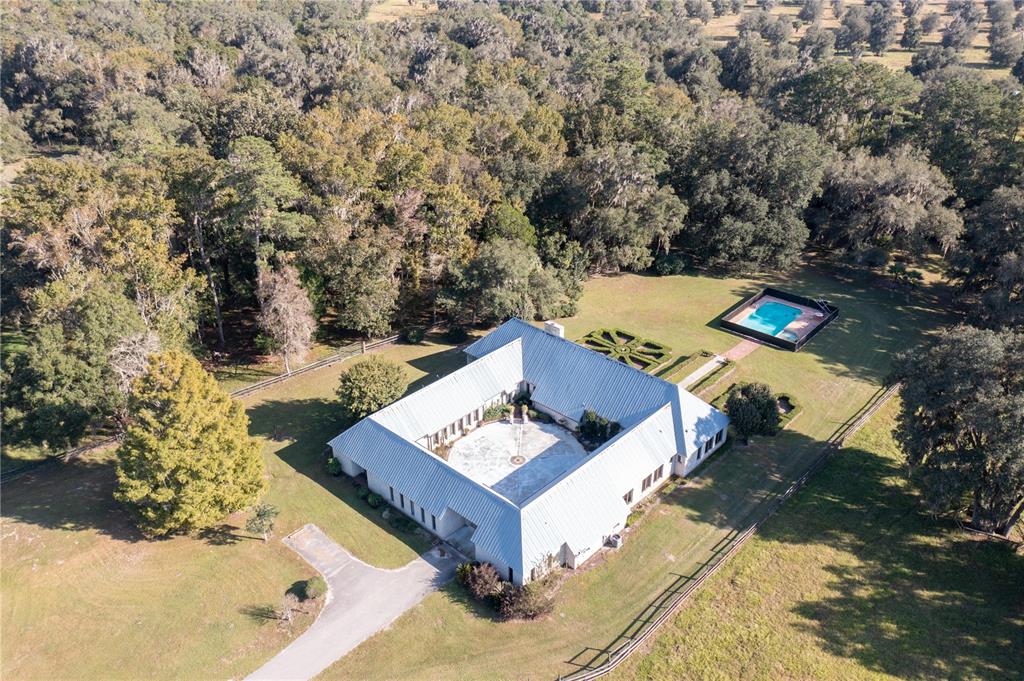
{"x": 628, "y": 348}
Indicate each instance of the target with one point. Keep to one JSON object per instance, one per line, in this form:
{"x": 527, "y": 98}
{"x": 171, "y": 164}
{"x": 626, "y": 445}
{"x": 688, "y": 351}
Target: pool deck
{"x": 485, "y": 455}
{"x": 804, "y": 323}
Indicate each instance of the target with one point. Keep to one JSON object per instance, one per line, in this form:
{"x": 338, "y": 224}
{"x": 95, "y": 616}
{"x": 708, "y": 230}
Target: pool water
{"x": 771, "y": 318}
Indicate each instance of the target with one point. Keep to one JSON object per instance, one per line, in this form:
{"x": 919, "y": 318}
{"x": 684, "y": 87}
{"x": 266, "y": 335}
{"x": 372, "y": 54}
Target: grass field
{"x": 83, "y": 594}
{"x": 446, "y": 637}
{"x": 852, "y": 580}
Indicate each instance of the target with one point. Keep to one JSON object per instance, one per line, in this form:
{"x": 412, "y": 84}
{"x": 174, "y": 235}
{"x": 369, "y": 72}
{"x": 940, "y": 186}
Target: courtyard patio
{"x": 514, "y": 459}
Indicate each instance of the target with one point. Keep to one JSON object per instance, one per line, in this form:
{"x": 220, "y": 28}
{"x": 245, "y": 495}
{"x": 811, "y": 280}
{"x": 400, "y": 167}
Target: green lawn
{"x": 851, "y": 580}
{"x": 84, "y": 595}
{"x": 832, "y": 378}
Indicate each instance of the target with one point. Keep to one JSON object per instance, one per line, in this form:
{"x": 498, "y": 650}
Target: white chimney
{"x": 555, "y": 329}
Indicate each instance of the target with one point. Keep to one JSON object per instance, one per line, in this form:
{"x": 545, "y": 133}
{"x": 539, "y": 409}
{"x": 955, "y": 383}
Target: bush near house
{"x": 511, "y": 601}
{"x": 596, "y": 430}
{"x": 333, "y": 466}
{"x": 374, "y": 500}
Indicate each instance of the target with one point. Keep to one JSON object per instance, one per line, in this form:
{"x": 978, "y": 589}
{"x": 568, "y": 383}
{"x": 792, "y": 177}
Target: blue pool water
{"x": 771, "y": 318}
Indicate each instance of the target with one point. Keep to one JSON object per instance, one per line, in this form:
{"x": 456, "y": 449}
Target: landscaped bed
{"x": 628, "y": 348}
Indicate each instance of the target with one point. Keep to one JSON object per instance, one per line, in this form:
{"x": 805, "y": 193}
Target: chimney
{"x": 554, "y": 328}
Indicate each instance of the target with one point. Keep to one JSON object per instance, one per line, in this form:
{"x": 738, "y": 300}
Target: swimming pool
{"x": 771, "y": 318}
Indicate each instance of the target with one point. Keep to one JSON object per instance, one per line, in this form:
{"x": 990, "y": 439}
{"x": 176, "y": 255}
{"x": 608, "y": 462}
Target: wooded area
{"x": 224, "y": 178}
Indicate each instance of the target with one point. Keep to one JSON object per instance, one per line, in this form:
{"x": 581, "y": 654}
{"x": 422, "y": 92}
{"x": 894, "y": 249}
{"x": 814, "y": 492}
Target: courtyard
{"x": 516, "y": 459}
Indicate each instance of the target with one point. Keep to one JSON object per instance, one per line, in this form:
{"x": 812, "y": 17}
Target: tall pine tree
{"x": 187, "y": 459}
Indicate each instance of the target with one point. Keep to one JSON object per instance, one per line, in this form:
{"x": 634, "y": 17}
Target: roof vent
{"x": 554, "y": 328}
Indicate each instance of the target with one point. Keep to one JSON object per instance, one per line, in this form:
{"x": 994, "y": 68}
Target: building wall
{"x": 683, "y": 466}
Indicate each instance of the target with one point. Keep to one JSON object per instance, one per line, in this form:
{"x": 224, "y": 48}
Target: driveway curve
{"x": 361, "y": 601}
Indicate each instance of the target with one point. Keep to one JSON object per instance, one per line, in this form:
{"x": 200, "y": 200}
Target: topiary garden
{"x": 628, "y": 348}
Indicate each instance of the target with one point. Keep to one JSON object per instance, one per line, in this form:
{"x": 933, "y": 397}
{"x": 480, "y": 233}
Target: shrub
{"x": 362, "y": 492}
{"x": 401, "y": 523}
{"x": 333, "y": 466}
{"x": 597, "y": 429}
{"x": 456, "y": 335}
{"x": 526, "y": 602}
{"x": 370, "y": 385}
{"x": 415, "y": 335}
{"x": 496, "y": 412}
{"x": 462, "y": 573}
{"x": 314, "y": 588}
{"x": 374, "y": 500}
{"x": 633, "y": 517}
{"x": 753, "y": 410}
{"x": 483, "y": 582}
{"x": 669, "y": 263}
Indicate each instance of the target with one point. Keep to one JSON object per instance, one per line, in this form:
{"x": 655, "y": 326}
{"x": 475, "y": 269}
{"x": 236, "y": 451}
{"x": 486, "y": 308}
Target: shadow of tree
{"x": 435, "y": 366}
{"x": 221, "y": 535}
{"x": 919, "y": 586}
{"x": 260, "y": 614}
{"x": 76, "y": 495}
{"x": 310, "y": 424}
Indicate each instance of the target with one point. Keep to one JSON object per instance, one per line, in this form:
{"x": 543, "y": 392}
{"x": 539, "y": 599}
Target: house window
{"x": 391, "y": 490}
{"x": 646, "y": 484}
{"x": 628, "y": 497}
{"x": 658, "y": 473}
{"x": 433, "y": 522}
{"x": 718, "y": 436}
{"x": 412, "y": 508}
{"x": 510, "y": 574}
{"x": 708, "y": 446}
{"x": 423, "y": 517}
{"x": 402, "y": 498}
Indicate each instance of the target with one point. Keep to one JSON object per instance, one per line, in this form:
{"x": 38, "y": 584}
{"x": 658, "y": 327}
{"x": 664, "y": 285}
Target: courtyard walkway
{"x": 362, "y": 600}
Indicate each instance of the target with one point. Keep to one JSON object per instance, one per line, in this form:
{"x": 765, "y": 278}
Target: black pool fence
{"x": 830, "y": 313}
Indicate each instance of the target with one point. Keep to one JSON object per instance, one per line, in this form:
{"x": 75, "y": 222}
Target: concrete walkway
{"x": 741, "y": 350}
{"x": 703, "y": 370}
{"x": 362, "y": 600}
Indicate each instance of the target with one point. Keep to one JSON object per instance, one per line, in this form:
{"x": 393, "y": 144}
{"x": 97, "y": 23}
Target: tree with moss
{"x": 187, "y": 459}
{"x": 370, "y": 386}
{"x": 961, "y": 422}
{"x": 286, "y": 314}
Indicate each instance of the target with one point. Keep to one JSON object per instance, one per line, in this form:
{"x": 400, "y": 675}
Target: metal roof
{"x": 659, "y": 420}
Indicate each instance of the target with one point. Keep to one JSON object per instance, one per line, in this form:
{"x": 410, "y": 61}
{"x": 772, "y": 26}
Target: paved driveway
{"x": 362, "y": 601}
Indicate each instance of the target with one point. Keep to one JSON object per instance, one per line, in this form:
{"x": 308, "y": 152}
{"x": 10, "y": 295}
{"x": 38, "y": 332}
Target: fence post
{"x": 364, "y": 348}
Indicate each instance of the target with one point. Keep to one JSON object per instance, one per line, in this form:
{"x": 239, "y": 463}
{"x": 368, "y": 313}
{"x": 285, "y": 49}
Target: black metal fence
{"x": 830, "y": 311}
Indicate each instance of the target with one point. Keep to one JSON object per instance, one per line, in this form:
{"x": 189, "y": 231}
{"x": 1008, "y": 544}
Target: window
{"x": 402, "y": 497}
{"x": 718, "y": 436}
{"x": 433, "y": 522}
{"x": 708, "y": 445}
{"x": 391, "y": 490}
{"x": 423, "y": 517}
{"x": 510, "y": 574}
{"x": 646, "y": 484}
{"x": 412, "y": 508}
{"x": 658, "y": 473}
{"x": 628, "y": 497}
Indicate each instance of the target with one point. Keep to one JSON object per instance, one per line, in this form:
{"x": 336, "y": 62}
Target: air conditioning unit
{"x": 615, "y": 541}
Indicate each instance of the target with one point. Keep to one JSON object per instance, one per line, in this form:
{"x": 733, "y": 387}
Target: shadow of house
{"x": 311, "y": 423}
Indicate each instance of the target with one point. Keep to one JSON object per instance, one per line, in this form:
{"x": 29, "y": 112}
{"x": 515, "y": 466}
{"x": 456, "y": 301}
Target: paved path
{"x": 703, "y": 370}
{"x": 362, "y": 600}
{"x": 741, "y": 350}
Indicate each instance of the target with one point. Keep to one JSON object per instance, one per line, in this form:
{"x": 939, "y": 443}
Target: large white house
{"x": 554, "y": 503}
